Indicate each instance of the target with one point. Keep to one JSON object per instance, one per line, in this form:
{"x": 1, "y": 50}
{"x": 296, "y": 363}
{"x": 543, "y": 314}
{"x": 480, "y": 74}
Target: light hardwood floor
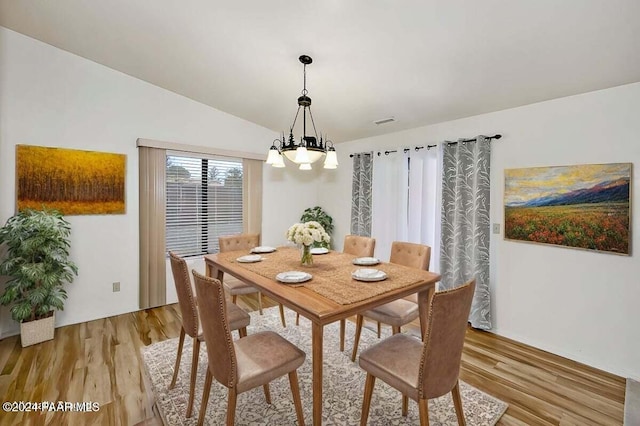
{"x": 99, "y": 361}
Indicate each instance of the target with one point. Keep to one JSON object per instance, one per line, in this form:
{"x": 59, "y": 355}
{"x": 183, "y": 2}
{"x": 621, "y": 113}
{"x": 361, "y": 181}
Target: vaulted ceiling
{"x": 418, "y": 61}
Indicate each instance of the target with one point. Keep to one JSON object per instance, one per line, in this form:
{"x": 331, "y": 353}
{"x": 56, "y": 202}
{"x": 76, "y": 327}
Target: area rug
{"x": 343, "y": 385}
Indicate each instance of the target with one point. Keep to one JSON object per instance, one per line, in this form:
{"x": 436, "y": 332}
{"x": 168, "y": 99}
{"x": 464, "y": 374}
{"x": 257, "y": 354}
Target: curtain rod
{"x": 418, "y": 148}
{"x": 496, "y": 136}
{"x": 359, "y": 154}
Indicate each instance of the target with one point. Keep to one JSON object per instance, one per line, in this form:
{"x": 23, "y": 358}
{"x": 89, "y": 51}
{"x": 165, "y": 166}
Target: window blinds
{"x": 203, "y": 201}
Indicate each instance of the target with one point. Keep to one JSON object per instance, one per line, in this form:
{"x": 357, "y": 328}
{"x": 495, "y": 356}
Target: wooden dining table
{"x": 330, "y": 295}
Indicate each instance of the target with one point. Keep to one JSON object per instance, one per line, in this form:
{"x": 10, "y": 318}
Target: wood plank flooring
{"x": 99, "y": 361}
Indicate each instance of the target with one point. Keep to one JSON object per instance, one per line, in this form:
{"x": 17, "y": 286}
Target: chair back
{"x": 359, "y": 246}
{"x": 215, "y": 327}
{"x": 444, "y": 339}
{"x": 410, "y": 254}
{"x": 238, "y": 242}
{"x": 186, "y": 298}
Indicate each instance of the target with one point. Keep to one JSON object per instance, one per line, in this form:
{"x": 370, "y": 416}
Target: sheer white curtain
{"x": 390, "y": 184}
{"x": 406, "y": 200}
{"x": 425, "y": 199}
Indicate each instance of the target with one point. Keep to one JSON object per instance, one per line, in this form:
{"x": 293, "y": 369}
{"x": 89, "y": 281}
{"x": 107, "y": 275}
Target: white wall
{"x": 579, "y": 304}
{"x": 290, "y": 192}
{"x": 49, "y": 97}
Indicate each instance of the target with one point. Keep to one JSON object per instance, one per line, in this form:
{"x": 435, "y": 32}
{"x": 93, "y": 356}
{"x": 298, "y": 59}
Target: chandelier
{"x": 310, "y": 149}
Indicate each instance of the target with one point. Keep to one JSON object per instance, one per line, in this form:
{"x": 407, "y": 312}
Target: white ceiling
{"x": 420, "y": 61}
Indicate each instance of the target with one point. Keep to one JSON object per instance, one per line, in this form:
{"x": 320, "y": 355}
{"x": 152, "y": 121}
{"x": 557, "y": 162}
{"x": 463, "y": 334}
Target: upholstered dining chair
{"x": 233, "y": 285}
{"x": 402, "y": 311}
{"x": 358, "y": 246}
{"x": 426, "y": 369}
{"x": 246, "y": 363}
{"x": 238, "y": 320}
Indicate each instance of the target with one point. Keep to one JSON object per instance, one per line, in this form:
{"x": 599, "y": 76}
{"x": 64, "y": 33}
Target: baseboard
{"x": 632, "y": 403}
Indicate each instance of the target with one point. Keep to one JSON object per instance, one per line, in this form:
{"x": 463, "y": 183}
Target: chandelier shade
{"x": 273, "y": 156}
{"x": 331, "y": 161}
{"x": 311, "y": 148}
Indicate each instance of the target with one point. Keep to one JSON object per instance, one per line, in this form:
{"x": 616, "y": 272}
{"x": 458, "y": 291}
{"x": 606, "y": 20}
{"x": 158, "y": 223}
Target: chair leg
{"x": 205, "y": 396}
{"x": 267, "y": 393}
{"x": 295, "y": 391}
{"x": 395, "y": 330}
{"x": 284, "y": 322}
{"x": 405, "y": 405}
{"x": 342, "y": 328}
{"x": 356, "y": 338}
{"x": 178, "y": 358}
{"x": 242, "y": 332}
{"x": 231, "y": 406}
{"x": 366, "y": 402}
{"x": 423, "y": 408}
{"x": 457, "y": 403}
{"x": 297, "y": 319}
{"x": 194, "y": 374}
{"x": 260, "y": 302}
{"x": 234, "y": 297}
{"x": 379, "y": 329}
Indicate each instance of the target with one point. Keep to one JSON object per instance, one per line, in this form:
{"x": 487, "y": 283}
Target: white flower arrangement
{"x": 307, "y": 233}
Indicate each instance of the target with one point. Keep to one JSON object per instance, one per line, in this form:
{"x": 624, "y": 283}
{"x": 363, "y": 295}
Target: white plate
{"x": 368, "y": 275}
{"x": 366, "y": 261}
{"x": 293, "y": 277}
{"x": 250, "y": 258}
{"x": 263, "y": 249}
{"x": 319, "y": 250}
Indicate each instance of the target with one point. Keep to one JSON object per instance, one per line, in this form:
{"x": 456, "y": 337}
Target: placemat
{"x": 331, "y": 273}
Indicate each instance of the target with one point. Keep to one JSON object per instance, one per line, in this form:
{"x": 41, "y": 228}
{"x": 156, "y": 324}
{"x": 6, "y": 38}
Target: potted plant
{"x": 38, "y": 265}
{"x": 317, "y": 214}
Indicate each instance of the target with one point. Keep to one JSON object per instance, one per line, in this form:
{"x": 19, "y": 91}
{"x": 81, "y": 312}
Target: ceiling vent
{"x": 384, "y": 121}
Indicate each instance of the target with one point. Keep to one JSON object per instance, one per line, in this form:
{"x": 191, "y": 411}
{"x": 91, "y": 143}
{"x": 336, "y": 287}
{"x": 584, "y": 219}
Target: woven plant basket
{"x": 33, "y": 332}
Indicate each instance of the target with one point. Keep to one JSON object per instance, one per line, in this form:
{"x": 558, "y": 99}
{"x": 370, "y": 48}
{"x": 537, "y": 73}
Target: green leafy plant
{"x": 37, "y": 263}
{"x": 317, "y": 214}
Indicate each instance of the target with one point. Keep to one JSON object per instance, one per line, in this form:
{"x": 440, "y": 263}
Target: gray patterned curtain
{"x": 361, "y": 194}
{"x": 464, "y": 249}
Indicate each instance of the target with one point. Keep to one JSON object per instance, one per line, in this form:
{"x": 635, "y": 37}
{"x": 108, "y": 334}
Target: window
{"x": 203, "y": 201}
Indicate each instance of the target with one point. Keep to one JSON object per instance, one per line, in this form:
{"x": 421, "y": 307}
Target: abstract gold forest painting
{"x": 71, "y": 181}
{"x": 583, "y": 206}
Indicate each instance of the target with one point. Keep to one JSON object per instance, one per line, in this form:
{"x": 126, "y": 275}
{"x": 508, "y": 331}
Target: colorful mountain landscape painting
{"x": 585, "y": 206}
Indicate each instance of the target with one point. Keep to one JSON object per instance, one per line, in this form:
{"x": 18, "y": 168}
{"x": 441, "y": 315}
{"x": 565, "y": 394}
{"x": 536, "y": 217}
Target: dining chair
{"x": 358, "y": 246}
{"x": 233, "y": 285}
{"x": 238, "y": 320}
{"x": 402, "y": 311}
{"x": 423, "y": 370}
{"x": 246, "y": 363}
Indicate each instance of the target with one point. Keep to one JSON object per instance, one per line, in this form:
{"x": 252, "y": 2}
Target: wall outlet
{"x": 116, "y": 286}
{"x": 496, "y": 228}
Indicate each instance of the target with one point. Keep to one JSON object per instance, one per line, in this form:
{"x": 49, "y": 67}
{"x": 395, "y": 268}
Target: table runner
{"x": 331, "y": 273}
